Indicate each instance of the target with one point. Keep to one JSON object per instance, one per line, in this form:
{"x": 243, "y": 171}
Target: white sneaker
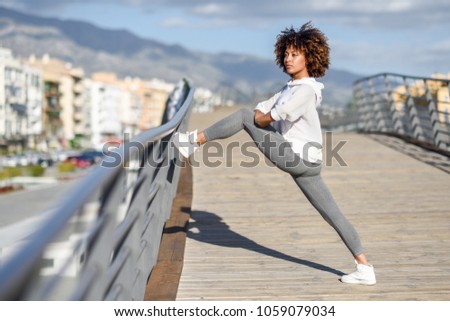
{"x": 186, "y": 143}
{"x": 364, "y": 274}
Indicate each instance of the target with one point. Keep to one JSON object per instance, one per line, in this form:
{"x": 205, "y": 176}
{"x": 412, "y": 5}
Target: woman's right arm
{"x": 261, "y": 119}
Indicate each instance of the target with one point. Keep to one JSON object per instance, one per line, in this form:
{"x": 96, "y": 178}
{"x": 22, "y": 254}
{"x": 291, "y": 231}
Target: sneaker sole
{"x": 359, "y": 282}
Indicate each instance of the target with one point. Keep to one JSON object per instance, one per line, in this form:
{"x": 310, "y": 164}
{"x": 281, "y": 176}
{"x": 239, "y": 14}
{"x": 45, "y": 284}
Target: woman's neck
{"x": 300, "y": 76}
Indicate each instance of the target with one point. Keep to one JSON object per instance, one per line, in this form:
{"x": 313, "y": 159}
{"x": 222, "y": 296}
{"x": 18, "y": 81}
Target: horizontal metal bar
{"x": 447, "y": 81}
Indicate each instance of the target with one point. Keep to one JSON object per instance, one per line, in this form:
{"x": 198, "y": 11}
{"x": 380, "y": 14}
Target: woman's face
{"x": 295, "y": 63}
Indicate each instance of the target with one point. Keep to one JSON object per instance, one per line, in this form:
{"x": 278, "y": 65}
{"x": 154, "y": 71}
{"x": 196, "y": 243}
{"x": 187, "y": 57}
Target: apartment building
{"x": 20, "y": 104}
{"x": 63, "y": 101}
{"x": 104, "y": 104}
{"x": 129, "y": 105}
{"x": 154, "y": 94}
{"x": 47, "y": 104}
{"x": 144, "y": 106}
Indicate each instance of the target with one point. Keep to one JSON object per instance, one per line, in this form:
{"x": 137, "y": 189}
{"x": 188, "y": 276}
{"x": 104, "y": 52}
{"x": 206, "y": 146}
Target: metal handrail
{"x": 391, "y": 74}
{"x": 122, "y": 206}
{"x": 405, "y": 106}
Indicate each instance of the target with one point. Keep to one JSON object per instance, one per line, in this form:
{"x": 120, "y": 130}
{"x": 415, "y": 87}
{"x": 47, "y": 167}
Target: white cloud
{"x": 363, "y": 13}
{"x": 363, "y": 7}
{"x": 211, "y": 9}
{"x": 175, "y": 22}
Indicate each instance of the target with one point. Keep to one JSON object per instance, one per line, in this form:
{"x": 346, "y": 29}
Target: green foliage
{"x": 8, "y": 172}
{"x": 66, "y": 167}
{"x": 32, "y": 170}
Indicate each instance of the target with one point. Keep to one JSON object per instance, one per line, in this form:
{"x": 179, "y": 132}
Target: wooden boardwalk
{"x": 252, "y": 235}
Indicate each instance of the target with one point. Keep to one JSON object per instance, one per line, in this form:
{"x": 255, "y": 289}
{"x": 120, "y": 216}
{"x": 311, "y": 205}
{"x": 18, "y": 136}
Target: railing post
{"x": 439, "y": 139}
{"x": 396, "y": 120}
{"x": 411, "y": 109}
{"x": 378, "y": 103}
{"x": 362, "y": 106}
{"x": 373, "y": 112}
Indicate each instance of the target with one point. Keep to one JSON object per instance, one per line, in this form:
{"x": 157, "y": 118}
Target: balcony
{"x": 78, "y": 116}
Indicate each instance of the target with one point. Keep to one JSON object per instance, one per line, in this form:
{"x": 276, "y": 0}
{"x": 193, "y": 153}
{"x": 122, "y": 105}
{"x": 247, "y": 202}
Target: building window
{"x": 18, "y": 126}
{"x": 8, "y": 128}
{"x": 8, "y": 74}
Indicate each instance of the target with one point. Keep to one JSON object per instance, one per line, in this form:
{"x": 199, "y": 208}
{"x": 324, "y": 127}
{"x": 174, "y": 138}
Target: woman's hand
{"x": 261, "y": 119}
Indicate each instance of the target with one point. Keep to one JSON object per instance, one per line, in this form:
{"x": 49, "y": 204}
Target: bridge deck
{"x": 254, "y": 236}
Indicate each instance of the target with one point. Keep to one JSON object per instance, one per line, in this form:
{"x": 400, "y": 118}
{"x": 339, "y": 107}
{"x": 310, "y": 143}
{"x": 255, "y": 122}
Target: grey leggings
{"x": 305, "y": 174}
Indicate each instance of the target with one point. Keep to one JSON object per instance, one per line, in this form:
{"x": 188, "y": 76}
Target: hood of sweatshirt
{"x": 315, "y": 85}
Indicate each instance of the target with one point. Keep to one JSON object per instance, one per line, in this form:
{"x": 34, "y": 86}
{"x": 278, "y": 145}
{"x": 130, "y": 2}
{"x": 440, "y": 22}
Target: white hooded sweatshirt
{"x": 295, "y": 116}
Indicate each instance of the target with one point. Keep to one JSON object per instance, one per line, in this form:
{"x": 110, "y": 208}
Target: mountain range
{"x": 239, "y": 77}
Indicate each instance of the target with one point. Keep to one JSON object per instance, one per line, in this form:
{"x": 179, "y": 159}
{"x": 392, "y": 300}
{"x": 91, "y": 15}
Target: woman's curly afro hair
{"x": 308, "y": 40}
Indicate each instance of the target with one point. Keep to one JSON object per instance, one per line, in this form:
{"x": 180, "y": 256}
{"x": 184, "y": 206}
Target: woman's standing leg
{"x": 321, "y": 198}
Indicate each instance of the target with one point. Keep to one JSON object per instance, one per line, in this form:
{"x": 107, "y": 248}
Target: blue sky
{"x": 366, "y": 37}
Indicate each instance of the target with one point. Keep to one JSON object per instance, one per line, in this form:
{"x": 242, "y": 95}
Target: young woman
{"x": 287, "y": 130}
